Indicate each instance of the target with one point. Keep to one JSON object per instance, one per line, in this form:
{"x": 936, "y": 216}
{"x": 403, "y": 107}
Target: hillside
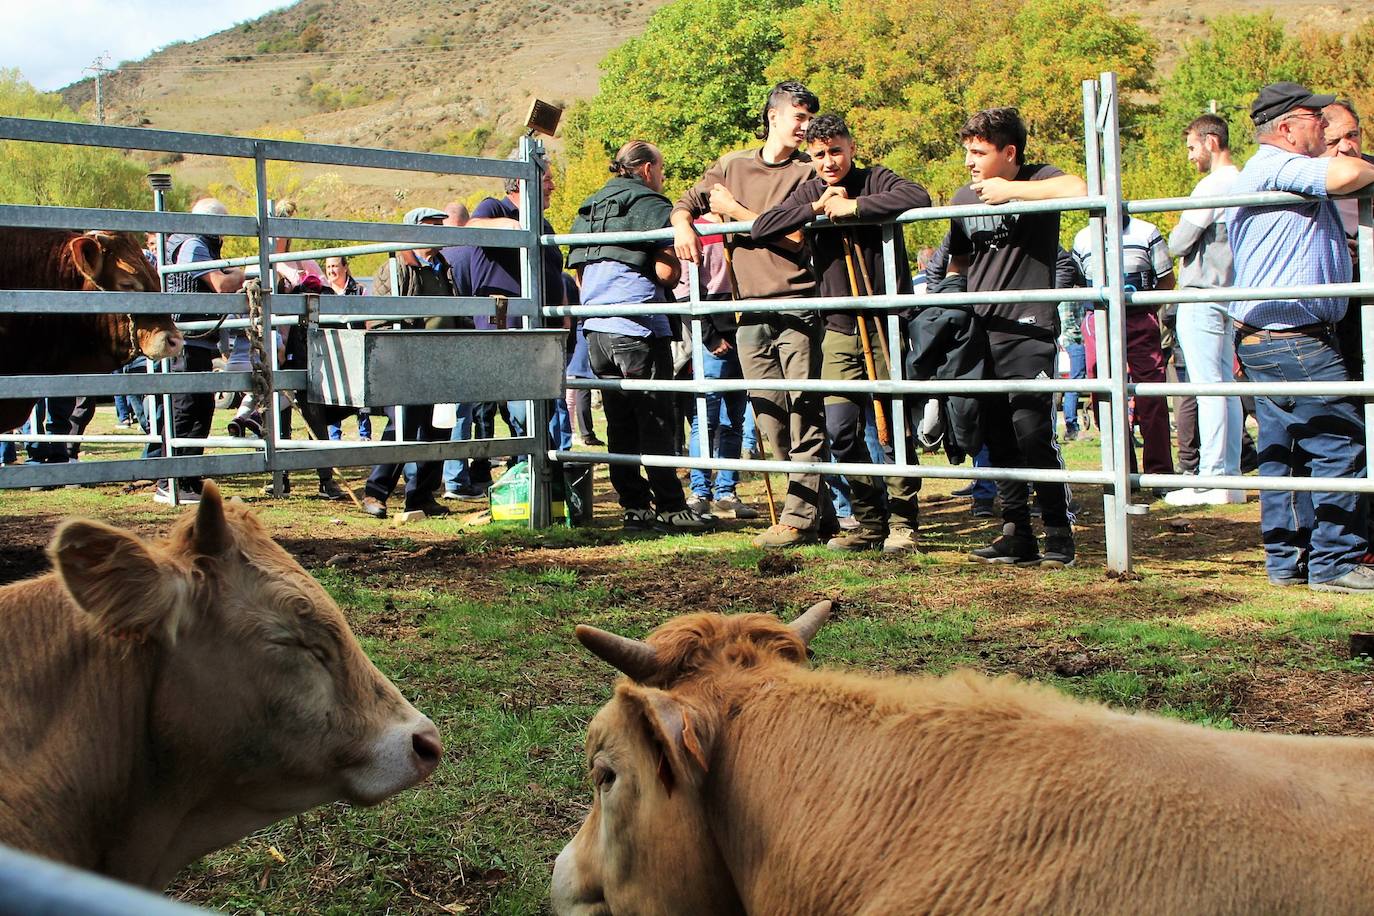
{"x": 403, "y": 74}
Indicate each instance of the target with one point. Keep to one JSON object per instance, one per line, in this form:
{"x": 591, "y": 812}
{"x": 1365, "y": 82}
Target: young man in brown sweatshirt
{"x": 844, "y": 194}
{"x": 772, "y": 345}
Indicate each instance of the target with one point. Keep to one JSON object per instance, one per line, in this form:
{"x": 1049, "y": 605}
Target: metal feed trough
{"x": 356, "y": 368}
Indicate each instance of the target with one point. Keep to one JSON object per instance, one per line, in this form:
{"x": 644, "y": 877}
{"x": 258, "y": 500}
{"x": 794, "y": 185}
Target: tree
{"x": 692, "y": 84}
{"x": 906, "y": 74}
{"x": 50, "y": 174}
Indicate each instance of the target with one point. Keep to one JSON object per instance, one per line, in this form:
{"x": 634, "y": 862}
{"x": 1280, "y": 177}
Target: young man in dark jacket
{"x": 845, "y": 194}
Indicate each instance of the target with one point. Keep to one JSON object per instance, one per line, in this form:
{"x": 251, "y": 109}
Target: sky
{"x": 53, "y": 41}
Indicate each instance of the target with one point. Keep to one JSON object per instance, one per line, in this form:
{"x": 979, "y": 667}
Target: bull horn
{"x": 807, "y": 624}
{"x": 637, "y": 659}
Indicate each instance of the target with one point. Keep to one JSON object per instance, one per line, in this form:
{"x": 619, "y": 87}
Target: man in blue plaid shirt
{"x": 1312, "y": 538}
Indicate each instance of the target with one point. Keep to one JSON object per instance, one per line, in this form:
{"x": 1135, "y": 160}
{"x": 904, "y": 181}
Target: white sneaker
{"x": 1194, "y": 496}
{"x": 184, "y": 496}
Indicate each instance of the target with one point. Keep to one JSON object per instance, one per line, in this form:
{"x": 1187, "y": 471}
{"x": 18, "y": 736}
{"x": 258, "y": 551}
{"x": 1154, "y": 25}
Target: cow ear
{"x": 116, "y": 577}
{"x": 684, "y": 734}
{"x": 212, "y": 529}
{"x": 87, "y": 257}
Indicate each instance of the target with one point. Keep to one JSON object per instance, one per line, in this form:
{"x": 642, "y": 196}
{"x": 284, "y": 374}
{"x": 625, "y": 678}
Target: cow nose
{"x": 425, "y": 742}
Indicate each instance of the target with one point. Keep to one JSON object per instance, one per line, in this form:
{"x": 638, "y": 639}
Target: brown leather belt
{"x": 1245, "y": 332}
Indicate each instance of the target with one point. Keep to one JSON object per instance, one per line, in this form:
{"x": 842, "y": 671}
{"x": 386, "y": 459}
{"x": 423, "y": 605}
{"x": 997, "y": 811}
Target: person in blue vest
{"x": 634, "y": 346}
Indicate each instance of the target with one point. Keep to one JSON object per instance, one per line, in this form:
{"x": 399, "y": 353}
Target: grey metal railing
{"x": 269, "y": 453}
{"x": 30, "y": 886}
{"x": 1105, "y": 204}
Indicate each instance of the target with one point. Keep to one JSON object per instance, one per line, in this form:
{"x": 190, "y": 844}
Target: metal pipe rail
{"x": 32, "y": 886}
{"x": 1106, "y": 206}
{"x": 277, "y": 310}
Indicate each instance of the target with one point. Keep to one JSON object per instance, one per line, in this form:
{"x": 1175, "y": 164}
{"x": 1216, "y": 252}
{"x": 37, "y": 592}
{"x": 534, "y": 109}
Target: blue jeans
{"x": 724, "y": 427}
{"x": 456, "y": 476}
{"x": 1078, "y": 368}
{"x": 983, "y": 489}
{"x": 1314, "y": 536}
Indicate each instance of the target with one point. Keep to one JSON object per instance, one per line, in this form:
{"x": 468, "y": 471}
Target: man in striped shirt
{"x": 1317, "y": 538}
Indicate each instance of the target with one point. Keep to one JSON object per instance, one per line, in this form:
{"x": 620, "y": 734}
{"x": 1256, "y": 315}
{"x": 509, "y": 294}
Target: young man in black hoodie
{"x": 846, "y": 194}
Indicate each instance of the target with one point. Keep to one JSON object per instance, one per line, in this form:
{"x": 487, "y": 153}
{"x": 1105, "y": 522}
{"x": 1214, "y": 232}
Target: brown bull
{"x": 159, "y": 700}
{"x": 43, "y": 344}
{"x": 730, "y": 779}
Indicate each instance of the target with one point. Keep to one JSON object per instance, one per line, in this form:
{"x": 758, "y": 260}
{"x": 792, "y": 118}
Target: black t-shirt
{"x": 1011, "y": 251}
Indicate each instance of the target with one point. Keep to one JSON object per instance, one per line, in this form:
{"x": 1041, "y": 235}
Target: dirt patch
{"x": 1305, "y": 702}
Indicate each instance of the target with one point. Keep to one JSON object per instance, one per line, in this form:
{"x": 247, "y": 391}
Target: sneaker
{"x": 329, "y": 489}
{"x": 854, "y": 541}
{"x": 684, "y": 520}
{"x": 901, "y": 539}
{"x": 1287, "y": 581}
{"x": 1059, "y": 549}
{"x": 1013, "y": 547}
{"x": 731, "y": 507}
{"x": 984, "y": 508}
{"x": 450, "y": 494}
{"x": 1359, "y": 580}
{"x": 1194, "y": 496}
{"x": 966, "y": 491}
{"x": 374, "y": 507}
{"x": 431, "y": 509}
{"x": 1070, "y": 435}
{"x": 592, "y": 441}
{"x": 639, "y": 519}
{"x": 185, "y": 496}
{"x": 701, "y": 505}
{"x": 849, "y": 523}
{"x": 781, "y": 535}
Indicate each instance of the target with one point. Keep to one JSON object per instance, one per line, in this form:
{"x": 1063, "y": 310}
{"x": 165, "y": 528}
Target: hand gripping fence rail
{"x": 1104, "y": 203}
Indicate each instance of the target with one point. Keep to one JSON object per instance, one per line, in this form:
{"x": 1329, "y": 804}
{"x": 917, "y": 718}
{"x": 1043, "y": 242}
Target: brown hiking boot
{"x": 781, "y": 535}
{"x": 860, "y": 539}
{"x": 901, "y": 540}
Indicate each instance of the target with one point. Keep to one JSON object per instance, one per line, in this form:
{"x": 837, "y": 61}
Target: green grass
{"x": 474, "y": 624}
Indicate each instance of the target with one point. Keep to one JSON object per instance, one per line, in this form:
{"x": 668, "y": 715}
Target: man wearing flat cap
{"x": 1310, "y": 538}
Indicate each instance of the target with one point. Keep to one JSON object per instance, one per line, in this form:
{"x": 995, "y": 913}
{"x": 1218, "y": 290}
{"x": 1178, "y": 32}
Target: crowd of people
{"x": 806, "y": 167}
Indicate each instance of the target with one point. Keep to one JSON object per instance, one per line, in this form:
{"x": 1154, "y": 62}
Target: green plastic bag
{"x": 510, "y": 496}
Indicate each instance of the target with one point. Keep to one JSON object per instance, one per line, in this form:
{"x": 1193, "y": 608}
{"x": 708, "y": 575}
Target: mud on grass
{"x": 475, "y": 626}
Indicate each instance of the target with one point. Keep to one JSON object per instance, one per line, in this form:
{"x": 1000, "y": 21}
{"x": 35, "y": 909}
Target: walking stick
{"x": 734, "y": 297}
{"x": 879, "y": 414}
{"x": 877, "y": 322}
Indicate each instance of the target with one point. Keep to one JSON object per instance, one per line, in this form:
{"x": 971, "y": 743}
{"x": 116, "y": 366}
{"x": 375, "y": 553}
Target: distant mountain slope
{"x": 405, "y": 74}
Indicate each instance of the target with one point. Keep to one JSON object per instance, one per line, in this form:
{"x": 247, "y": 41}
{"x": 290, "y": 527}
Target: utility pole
{"x": 99, "y": 67}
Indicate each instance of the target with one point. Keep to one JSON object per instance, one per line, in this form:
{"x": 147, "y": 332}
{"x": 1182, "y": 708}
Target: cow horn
{"x": 637, "y": 659}
{"x": 807, "y": 624}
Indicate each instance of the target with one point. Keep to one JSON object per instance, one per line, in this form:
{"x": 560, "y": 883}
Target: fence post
{"x": 168, "y": 430}
{"x": 267, "y": 278}
{"x": 531, "y": 268}
{"x": 1117, "y": 522}
{"x": 1366, "y": 253}
{"x": 894, "y": 348}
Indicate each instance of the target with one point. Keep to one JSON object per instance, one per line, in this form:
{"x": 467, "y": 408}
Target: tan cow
{"x": 161, "y": 699}
{"x": 730, "y": 779}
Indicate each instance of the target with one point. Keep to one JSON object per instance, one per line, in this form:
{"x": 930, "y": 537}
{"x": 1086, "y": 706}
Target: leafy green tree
{"x": 52, "y": 174}
{"x": 692, "y": 84}
{"x": 906, "y": 74}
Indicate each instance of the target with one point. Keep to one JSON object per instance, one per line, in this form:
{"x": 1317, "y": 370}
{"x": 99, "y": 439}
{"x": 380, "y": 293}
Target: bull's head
{"x": 113, "y": 262}
{"x": 645, "y": 846}
{"x": 262, "y": 695}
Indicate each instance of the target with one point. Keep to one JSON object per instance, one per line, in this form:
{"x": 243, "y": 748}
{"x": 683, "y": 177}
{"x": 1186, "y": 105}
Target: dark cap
{"x": 1280, "y": 98}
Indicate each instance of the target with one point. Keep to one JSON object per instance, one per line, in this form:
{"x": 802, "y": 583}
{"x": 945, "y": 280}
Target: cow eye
{"x": 603, "y": 776}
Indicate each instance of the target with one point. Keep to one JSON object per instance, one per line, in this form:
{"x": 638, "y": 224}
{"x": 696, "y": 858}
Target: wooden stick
{"x": 879, "y": 414}
{"x": 877, "y": 320}
{"x": 734, "y": 297}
